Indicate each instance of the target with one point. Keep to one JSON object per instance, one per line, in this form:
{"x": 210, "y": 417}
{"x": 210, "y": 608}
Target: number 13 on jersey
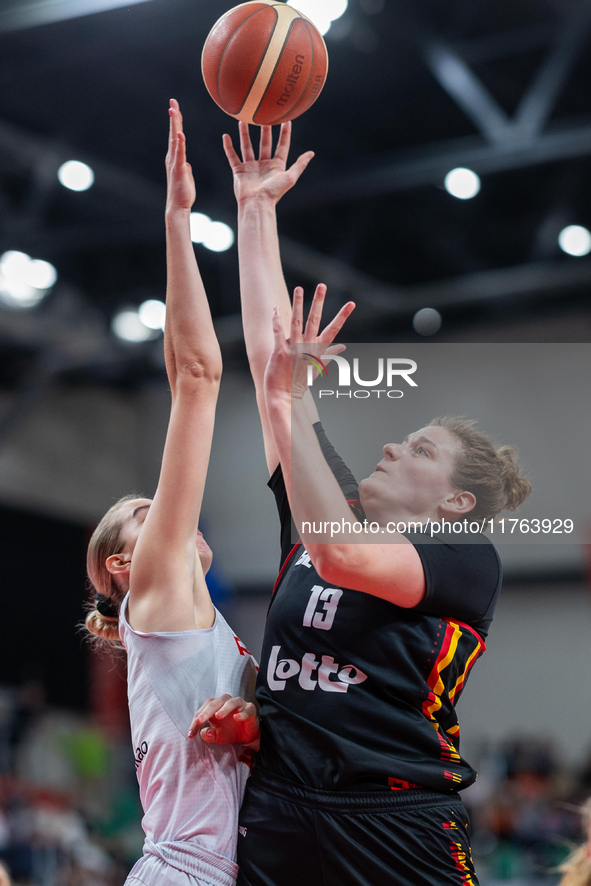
{"x": 322, "y": 617}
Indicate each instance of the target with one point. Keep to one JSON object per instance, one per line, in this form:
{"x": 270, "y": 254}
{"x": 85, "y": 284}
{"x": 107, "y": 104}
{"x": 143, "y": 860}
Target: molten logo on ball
{"x": 264, "y": 62}
{"x": 292, "y": 80}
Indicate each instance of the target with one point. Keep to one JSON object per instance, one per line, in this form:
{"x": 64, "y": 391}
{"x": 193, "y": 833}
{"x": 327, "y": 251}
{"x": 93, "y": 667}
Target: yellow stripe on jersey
{"x": 460, "y": 681}
{"x": 438, "y": 685}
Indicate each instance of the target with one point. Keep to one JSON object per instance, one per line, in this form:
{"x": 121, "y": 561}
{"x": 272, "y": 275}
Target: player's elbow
{"x": 198, "y": 369}
{"x": 336, "y": 564}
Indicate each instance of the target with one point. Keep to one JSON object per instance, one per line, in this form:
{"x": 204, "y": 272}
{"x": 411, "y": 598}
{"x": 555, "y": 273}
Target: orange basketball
{"x": 264, "y": 62}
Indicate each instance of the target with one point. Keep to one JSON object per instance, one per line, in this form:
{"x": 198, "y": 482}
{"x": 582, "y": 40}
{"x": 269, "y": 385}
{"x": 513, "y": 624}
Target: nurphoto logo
{"x": 390, "y": 370}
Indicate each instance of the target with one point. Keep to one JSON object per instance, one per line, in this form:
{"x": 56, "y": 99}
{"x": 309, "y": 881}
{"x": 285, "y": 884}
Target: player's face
{"x": 412, "y": 481}
{"x": 132, "y": 526}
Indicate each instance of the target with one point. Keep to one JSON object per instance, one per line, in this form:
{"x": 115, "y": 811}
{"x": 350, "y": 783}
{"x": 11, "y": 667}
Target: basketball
{"x": 264, "y": 62}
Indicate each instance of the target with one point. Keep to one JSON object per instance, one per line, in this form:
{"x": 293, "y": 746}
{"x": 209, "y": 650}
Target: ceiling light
{"x": 152, "y": 313}
{"x": 24, "y": 281}
{"x": 321, "y": 12}
{"x": 462, "y": 183}
{"x": 575, "y": 240}
{"x": 17, "y": 294}
{"x": 427, "y": 321}
{"x": 40, "y": 274}
{"x": 75, "y": 175}
{"x": 13, "y": 265}
{"x": 218, "y": 237}
{"x": 199, "y": 226}
{"x": 127, "y": 326}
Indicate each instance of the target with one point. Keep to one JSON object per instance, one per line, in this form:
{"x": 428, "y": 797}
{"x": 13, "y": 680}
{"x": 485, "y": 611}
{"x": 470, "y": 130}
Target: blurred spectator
{"x": 4, "y": 876}
{"x": 70, "y": 816}
{"x": 520, "y": 821}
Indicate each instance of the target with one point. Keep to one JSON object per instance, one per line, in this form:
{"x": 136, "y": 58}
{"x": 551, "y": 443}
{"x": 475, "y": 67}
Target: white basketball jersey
{"x": 190, "y": 791}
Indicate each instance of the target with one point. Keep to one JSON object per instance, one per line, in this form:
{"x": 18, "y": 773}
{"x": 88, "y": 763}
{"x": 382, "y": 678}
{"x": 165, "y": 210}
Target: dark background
{"x": 43, "y": 577}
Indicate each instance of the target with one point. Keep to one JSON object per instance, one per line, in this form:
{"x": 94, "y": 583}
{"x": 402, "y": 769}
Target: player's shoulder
{"x": 461, "y": 538}
{"x": 466, "y": 553}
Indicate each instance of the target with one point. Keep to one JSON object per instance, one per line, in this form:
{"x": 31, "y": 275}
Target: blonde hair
{"x": 577, "y": 867}
{"x": 492, "y": 475}
{"x": 105, "y": 541}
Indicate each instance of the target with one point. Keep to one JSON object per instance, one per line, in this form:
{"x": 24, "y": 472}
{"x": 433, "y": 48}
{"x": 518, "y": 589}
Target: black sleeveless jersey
{"x": 357, "y": 693}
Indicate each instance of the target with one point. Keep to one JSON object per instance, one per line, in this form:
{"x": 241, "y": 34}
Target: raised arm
{"x": 259, "y": 185}
{"x": 391, "y": 571}
{"x": 167, "y": 584}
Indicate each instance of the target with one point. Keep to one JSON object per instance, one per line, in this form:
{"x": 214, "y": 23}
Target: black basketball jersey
{"x": 357, "y": 693}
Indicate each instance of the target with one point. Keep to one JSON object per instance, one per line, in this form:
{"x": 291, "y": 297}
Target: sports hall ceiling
{"x": 415, "y": 88}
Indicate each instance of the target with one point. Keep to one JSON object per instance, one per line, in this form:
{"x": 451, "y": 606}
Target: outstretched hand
{"x": 226, "y": 720}
{"x": 287, "y": 370}
{"x": 179, "y": 175}
{"x": 267, "y": 177}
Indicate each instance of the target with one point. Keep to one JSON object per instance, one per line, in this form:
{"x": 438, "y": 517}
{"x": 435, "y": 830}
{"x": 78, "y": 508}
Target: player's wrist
{"x": 259, "y": 202}
{"x": 174, "y": 213}
{"x": 278, "y": 402}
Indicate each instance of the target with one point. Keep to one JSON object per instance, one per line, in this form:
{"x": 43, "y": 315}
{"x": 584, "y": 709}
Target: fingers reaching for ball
{"x": 284, "y": 142}
{"x": 268, "y": 177}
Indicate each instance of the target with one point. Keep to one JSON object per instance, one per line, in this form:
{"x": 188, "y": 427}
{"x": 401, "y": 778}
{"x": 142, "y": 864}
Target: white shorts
{"x": 153, "y": 871}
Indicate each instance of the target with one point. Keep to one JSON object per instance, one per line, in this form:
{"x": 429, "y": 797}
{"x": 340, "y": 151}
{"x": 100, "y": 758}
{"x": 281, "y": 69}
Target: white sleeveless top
{"x": 190, "y": 791}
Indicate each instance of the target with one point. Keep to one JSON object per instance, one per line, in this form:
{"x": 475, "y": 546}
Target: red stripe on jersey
{"x": 283, "y": 568}
{"x": 468, "y": 628}
{"x": 435, "y": 675}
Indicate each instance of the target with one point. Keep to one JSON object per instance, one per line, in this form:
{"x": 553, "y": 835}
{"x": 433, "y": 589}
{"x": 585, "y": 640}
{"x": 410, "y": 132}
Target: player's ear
{"x": 118, "y": 564}
{"x": 459, "y": 503}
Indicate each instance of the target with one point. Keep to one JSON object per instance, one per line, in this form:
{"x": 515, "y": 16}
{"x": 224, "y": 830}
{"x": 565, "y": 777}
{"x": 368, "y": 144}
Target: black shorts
{"x": 295, "y": 836}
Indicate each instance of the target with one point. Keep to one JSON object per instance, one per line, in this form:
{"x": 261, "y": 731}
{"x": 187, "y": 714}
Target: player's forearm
{"x": 191, "y": 345}
{"x": 314, "y": 494}
{"x": 262, "y": 284}
{"x": 320, "y": 511}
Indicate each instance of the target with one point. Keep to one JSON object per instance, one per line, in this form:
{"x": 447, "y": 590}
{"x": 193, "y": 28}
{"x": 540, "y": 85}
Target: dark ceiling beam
{"x": 457, "y": 78}
{"x": 455, "y": 75}
{"x": 530, "y": 280}
{"x": 80, "y": 336}
{"x": 20, "y": 14}
{"x": 340, "y": 277}
{"x": 429, "y": 166}
{"x": 535, "y": 109}
{"x": 520, "y": 282}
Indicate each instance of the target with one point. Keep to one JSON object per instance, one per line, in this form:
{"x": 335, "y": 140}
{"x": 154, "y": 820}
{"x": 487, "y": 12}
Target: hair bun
{"x": 517, "y": 488}
{"x": 104, "y": 628}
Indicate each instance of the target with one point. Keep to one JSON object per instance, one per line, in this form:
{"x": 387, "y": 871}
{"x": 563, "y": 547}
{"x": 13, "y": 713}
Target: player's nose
{"x": 392, "y": 451}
